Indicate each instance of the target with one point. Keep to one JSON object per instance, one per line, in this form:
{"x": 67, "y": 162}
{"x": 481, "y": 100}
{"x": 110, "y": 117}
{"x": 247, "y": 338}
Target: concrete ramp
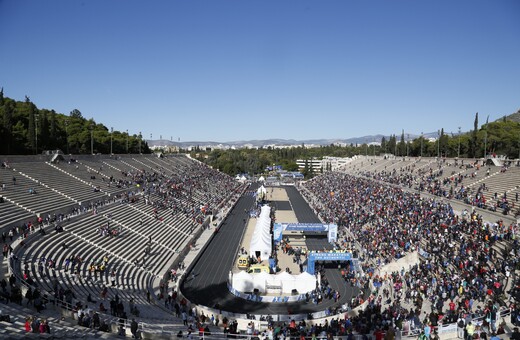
{"x": 494, "y": 161}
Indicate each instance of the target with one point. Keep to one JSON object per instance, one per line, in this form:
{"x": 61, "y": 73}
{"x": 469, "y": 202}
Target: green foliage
{"x": 23, "y": 125}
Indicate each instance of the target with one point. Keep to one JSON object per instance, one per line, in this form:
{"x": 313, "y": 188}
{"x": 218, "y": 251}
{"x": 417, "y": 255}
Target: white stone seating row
{"x": 161, "y": 253}
{"x": 45, "y": 200}
{"x": 11, "y": 213}
{"x": 113, "y": 164}
{"x": 502, "y": 182}
{"x": 174, "y": 163}
{"x": 104, "y": 169}
{"x": 168, "y": 168}
{"x": 146, "y": 166}
{"x": 169, "y": 235}
{"x": 91, "y": 183}
{"x": 84, "y": 172}
{"x": 129, "y": 279}
{"x": 127, "y": 162}
{"x": 56, "y": 179}
{"x": 177, "y": 217}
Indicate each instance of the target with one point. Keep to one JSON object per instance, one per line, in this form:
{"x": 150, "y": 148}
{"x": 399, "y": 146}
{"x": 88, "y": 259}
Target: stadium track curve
{"x": 206, "y": 282}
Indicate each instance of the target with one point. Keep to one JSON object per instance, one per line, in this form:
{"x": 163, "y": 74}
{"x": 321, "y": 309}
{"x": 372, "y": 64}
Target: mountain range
{"x": 284, "y": 142}
{"x": 287, "y": 142}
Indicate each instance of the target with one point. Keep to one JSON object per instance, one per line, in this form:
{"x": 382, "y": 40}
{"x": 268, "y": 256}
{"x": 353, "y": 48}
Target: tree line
{"x": 26, "y": 129}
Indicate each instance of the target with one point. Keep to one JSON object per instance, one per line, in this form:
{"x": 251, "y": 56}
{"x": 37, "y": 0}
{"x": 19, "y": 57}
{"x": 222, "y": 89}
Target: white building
{"x": 327, "y": 162}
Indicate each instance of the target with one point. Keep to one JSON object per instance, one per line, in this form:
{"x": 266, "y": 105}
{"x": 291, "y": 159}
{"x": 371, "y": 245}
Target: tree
{"x": 43, "y": 130}
{"x": 473, "y": 143}
{"x": 53, "y": 130}
{"x": 31, "y": 129}
{"x": 7, "y": 119}
{"x": 402, "y": 145}
{"x": 76, "y": 114}
{"x": 391, "y": 145}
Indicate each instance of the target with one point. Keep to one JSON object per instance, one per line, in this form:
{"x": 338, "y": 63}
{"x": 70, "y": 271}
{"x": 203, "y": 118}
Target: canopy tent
{"x": 243, "y": 282}
{"x": 286, "y": 280}
{"x": 261, "y": 193}
{"x": 305, "y": 282}
{"x": 260, "y": 281}
{"x": 240, "y": 178}
{"x": 261, "y": 241}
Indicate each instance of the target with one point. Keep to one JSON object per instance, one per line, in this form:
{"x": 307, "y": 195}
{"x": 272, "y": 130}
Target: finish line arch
{"x": 325, "y": 257}
{"x": 330, "y": 229}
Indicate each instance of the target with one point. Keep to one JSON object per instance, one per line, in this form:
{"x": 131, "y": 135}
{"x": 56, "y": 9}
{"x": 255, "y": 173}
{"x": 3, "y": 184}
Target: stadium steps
{"x": 10, "y": 213}
{"x": 64, "y": 184}
{"x": 84, "y": 172}
{"x": 76, "y": 177}
{"x": 46, "y": 199}
{"x": 112, "y": 166}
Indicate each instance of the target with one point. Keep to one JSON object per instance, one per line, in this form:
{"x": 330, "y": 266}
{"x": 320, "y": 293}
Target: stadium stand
{"x": 107, "y": 232}
{"x": 105, "y": 229}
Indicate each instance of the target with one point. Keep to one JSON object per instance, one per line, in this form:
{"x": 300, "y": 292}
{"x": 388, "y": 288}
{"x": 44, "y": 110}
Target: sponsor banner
{"x": 306, "y": 227}
{"x": 268, "y": 299}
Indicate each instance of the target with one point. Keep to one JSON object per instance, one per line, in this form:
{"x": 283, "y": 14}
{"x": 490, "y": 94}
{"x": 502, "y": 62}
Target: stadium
{"x": 260, "y": 170}
{"x": 94, "y": 242}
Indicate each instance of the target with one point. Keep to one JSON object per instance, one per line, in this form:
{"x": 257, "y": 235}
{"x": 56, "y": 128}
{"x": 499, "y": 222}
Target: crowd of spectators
{"x": 466, "y": 262}
{"x": 185, "y": 187}
{"x": 449, "y": 179}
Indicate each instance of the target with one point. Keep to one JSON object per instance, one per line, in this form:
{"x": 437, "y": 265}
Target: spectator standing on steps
{"x": 133, "y": 328}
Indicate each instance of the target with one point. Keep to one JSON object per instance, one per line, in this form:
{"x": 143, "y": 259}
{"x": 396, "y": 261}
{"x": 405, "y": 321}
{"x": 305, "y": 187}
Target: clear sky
{"x": 225, "y": 70}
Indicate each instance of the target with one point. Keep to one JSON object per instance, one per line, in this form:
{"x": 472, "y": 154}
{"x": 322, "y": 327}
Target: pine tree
{"x": 8, "y": 111}
{"x": 473, "y": 143}
{"x": 31, "y": 129}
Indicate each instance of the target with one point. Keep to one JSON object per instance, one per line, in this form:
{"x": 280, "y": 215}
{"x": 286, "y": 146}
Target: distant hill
{"x": 279, "y": 142}
{"x": 513, "y": 117}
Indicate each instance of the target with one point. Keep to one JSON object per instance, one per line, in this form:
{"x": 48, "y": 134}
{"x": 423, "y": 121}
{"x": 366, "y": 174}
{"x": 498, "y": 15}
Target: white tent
{"x": 305, "y": 282}
{"x": 260, "y": 281}
{"x": 261, "y": 179}
{"x": 261, "y": 240}
{"x": 243, "y": 282}
{"x": 261, "y": 193}
{"x": 287, "y": 281}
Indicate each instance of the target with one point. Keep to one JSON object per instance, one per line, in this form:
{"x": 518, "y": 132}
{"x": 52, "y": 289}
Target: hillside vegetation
{"x": 26, "y": 129}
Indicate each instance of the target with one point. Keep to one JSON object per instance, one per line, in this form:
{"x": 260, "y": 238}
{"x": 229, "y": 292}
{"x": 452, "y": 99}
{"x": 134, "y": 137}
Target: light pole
{"x": 36, "y": 117}
{"x": 126, "y": 140}
{"x": 458, "y": 151}
{"x": 485, "y": 142}
{"x": 438, "y": 143}
{"x": 67, "y": 133}
{"x": 407, "y": 145}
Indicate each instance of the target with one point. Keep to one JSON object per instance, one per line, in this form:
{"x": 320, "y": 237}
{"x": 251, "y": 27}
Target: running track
{"x": 211, "y": 269}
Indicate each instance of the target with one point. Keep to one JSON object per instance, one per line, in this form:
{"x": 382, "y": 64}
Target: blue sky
{"x": 232, "y": 70}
